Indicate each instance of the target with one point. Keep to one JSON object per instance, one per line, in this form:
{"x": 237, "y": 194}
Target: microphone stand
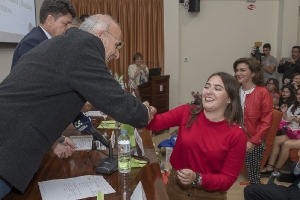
{"x": 93, "y": 148}
{"x": 108, "y": 165}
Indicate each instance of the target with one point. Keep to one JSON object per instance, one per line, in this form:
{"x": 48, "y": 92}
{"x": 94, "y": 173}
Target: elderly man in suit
{"x": 48, "y": 87}
{"x": 276, "y": 192}
{"x": 55, "y": 18}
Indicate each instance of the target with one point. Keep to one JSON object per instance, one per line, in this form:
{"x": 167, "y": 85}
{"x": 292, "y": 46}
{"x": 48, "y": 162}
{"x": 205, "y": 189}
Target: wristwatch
{"x": 198, "y": 180}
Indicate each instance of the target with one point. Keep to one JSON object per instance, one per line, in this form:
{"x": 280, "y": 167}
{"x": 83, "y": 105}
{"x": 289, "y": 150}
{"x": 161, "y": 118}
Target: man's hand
{"x": 152, "y": 111}
{"x": 65, "y": 149}
{"x": 186, "y": 176}
{"x": 292, "y": 61}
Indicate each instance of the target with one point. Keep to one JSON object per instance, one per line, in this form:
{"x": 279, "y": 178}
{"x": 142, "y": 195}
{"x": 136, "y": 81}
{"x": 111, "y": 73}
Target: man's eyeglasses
{"x": 118, "y": 44}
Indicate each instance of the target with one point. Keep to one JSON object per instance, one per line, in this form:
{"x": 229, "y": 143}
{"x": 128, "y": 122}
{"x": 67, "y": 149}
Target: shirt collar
{"x": 47, "y": 34}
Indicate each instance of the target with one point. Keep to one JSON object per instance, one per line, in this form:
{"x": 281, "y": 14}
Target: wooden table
{"x": 54, "y": 168}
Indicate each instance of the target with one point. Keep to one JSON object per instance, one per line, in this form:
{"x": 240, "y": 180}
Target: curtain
{"x": 141, "y": 22}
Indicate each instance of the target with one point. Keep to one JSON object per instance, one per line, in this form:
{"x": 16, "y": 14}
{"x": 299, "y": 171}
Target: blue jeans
{"x": 5, "y": 188}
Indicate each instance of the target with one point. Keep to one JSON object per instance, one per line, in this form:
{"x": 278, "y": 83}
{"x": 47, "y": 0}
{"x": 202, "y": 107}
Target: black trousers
{"x": 271, "y": 192}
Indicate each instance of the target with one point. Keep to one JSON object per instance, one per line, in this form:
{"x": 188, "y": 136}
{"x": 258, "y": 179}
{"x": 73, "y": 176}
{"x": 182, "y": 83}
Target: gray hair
{"x": 95, "y": 23}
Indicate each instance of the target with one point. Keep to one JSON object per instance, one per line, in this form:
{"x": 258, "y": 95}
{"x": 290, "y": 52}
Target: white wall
{"x": 6, "y": 54}
{"x": 224, "y": 31}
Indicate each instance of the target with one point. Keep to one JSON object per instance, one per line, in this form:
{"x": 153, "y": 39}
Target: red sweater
{"x": 213, "y": 149}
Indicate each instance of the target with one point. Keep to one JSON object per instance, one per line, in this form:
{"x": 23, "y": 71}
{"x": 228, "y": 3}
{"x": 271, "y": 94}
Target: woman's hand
{"x": 186, "y": 176}
{"x": 289, "y": 119}
{"x": 250, "y": 147}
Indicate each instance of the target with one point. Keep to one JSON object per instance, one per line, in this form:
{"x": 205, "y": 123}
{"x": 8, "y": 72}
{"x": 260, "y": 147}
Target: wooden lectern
{"x": 156, "y": 92}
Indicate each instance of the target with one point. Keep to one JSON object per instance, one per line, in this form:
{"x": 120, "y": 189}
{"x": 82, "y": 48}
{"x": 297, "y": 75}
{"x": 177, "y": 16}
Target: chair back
{"x": 277, "y": 116}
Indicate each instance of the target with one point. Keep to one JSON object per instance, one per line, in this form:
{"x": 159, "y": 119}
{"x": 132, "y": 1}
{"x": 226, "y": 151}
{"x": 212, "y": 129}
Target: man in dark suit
{"x": 48, "y": 87}
{"x": 55, "y": 18}
{"x": 290, "y": 66}
{"x": 276, "y": 192}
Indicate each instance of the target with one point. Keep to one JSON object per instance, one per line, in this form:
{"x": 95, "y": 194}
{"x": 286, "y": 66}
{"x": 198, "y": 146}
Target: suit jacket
{"x": 289, "y": 69}
{"x": 46, "y": 91}
{"x": 295, "y": 183}
{"x": 32, "y": 39}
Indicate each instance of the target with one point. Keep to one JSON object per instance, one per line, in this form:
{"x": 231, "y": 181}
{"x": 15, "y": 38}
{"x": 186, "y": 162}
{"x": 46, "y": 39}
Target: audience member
{"x": 55, "y": 18}
{"x": 258, "y": 114}
{"x": 287, "y": 97}
{"x": 276, "y": 192}
{"x": 290, "y": 66}
{"x": 83, "y": 17}
{"x": 284, "y": 143}
{"x": 268, "y": 63}
{"x": 76, "y": 22}
{"x": 210, "y": 146}
{"x": 138, "y": 72}
{"x": 273, "y": 87}
{"x": 295, "y": 82}
{"x": 45, "y": 92}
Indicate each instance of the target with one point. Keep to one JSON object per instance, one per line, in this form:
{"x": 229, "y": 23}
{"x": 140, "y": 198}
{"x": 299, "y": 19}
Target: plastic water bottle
{"x": 124, "y": 156}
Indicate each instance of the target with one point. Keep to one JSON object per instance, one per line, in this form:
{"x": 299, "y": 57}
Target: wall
{"x": 6, "y": 54}
{"x": 223, "y": 31}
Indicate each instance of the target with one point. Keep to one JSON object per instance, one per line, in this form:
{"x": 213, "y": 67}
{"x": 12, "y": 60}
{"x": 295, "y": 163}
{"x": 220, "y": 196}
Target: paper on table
{"x": 94, "y": 113}
{"x": 74, "y": 188}
{"x": 137, "y": 163}
{"x": 139, "y": 140}
{"x": 84, "y": 142}
{"x": 111, "y": 124}
{"x": 138, "y": 193}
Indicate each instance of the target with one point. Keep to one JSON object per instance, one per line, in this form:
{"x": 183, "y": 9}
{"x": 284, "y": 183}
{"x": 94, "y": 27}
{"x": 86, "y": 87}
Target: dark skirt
{"x": 176, "y": 190}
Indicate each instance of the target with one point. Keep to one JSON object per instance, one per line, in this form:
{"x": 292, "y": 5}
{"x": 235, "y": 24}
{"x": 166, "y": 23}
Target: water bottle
{"x": 124, "y": 156}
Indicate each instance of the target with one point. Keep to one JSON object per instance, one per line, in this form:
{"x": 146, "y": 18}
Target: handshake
{"x": 151, "y": 111}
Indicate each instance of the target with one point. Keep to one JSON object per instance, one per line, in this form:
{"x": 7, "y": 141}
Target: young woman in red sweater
{"x": 210, "y": 146}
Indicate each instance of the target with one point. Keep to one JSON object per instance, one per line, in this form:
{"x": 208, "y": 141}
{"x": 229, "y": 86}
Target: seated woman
{"x": 211, "y": 145}
{"x": 138, "y": 73}
{"x": 284, "y": 143}
{"x": 287, "y": 97}
{"x": 296, "y": 81}
{"x": 273, "y": 87}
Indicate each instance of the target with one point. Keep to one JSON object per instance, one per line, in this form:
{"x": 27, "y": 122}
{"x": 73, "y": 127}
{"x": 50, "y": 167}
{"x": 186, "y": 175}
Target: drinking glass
{"x": 104, "y": 116}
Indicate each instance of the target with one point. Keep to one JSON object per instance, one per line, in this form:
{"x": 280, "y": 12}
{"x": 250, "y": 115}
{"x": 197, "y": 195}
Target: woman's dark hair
{"x": 291, "y": 98}
{"x": 254, "y": 66}
{"x": 233, "y": 112}
{"x": 296, "y": 103}
{"x": 137, "y": 55}
{"x": 276, "y": 83}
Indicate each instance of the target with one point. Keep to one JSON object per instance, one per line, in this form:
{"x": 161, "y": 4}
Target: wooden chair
{"x": 294, "y": 155}
{"x": 277, "y": 115}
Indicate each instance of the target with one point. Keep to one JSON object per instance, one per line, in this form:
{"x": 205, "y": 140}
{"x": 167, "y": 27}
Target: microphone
{"x": 108, "y": 165}
{"x": 83, "y": 123}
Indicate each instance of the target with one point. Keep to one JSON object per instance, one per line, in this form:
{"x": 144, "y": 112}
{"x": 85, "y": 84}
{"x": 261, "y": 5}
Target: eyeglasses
{"x": 118, "y": 44}
{"x": 270, "y": 84}
{"x": 287, "y": 92}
